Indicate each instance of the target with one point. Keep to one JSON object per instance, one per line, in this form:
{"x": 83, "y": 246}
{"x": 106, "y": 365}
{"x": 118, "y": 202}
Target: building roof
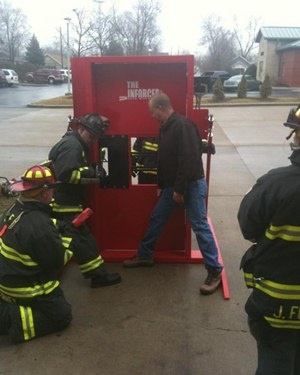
{"x": 56, "y": 59}
{"x": 278, "y": 32}
{"x": 294, "y": 45}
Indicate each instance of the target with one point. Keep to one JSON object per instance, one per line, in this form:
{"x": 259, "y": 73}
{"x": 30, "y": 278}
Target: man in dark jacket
{"x": 70, "y": 160}
{"x": 32, "y": 251}
{"x": 181, "y": 181}
{"x": 269, "y": 217}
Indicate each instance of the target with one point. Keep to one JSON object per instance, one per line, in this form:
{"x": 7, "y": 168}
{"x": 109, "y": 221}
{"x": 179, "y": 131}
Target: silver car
{"x": 11, "y": 76}
{"x": 233, "y": 82}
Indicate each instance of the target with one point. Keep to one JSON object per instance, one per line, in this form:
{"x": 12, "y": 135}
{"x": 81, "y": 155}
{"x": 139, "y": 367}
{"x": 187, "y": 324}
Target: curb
{"x": 48, "y": 106}
{"x": 208, "y": 105}
{"x": 249, "y": 104}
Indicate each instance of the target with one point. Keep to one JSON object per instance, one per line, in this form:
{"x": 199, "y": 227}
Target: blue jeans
{"x": 194, "y": 202}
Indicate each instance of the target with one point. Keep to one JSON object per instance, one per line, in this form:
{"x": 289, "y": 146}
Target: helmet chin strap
{"x": 295, "y": 144}
{"x": 294, "y": 147}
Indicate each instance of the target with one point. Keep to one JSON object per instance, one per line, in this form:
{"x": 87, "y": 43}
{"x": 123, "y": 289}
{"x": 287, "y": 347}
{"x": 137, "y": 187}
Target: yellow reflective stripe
{"x": 29, "y": 292}
{"x": 68, "y": 256}
{"x": 275, "y": 290}
{"x": 93, "y": 264}
{"x": 285, "y": 232}
{"x": 151, "y": 146}
{"x": 150, "y": 172}
{"x": 12, "y": 254}
{"x": 280, "y": 323}
{"x": 62, "y": 208}
{"x": 81, "y": 169}
{"x": 249, "y": 280}
{"x": 66, "y": 241}
{"x": 75, "y": 177}
{"x": 27, "y": 322}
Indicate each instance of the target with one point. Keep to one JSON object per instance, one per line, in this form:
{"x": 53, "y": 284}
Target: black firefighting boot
{"x": 101, "y": 277}
{"x": 5, "y": 320}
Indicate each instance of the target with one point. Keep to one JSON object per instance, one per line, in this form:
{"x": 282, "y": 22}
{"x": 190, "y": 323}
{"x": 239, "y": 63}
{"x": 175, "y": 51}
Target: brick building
{"x": 279, "y": 55}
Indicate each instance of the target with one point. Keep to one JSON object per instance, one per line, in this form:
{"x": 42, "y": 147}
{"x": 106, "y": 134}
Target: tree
{"x": 13, "y": 29}
{"x": 245, "y": 36}
{"x": 101, "y": 33}
{"x": 251, "y": 70}
{"x": 266, "y": 87}
{"x": 219, "y": 43}
{"x": 82, "y": 27}
{"x": 137, "y": 31}
{"x": 223, "y": 45}
{"x": 218, "y": 92}
{"x": 34, "y": 54}
{"x": 113, "y": 48}
{"x": 242, "y": 88}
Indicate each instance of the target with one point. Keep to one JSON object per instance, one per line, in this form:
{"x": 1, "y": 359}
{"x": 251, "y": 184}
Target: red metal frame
{"x": 119, "y": 88}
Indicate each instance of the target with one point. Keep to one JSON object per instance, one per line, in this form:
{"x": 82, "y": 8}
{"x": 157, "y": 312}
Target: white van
{"x": 64, "y": 73}
{"x": 11, "y": 76}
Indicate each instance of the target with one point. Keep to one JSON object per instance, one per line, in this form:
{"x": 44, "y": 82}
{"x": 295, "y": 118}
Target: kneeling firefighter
{"x": 32, "y": 252}
{"x": 70, "y": 159}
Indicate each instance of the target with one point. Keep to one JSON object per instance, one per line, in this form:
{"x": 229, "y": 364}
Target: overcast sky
{"x": 180, "y": 21}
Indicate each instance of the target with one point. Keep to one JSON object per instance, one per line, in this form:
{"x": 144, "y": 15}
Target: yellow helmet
{"x": 36, "y": 177}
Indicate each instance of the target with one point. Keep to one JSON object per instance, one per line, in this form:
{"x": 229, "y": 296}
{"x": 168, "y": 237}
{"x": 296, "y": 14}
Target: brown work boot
{"x": 212, "y": 282}
{"x": 138, "y": 262}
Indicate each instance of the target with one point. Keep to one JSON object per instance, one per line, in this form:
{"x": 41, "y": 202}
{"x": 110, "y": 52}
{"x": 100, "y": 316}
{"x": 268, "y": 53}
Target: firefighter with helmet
{"x": 32, "y": 251}
{"x": 144, "y": 155}
{"x": 269, "y": 216}
{"x": 70, "y": 159}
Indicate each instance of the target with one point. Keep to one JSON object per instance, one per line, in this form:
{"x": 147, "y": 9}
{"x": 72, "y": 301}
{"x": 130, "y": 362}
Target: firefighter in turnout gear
{"x": 144, "y": 154}
{"x": 32, "y": 251}
{"x": 70, "y": 159}
{"x": 269, "y": 216}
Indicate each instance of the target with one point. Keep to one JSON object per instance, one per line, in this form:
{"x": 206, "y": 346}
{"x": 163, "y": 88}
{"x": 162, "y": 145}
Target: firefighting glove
{"x": 208, "y": 148}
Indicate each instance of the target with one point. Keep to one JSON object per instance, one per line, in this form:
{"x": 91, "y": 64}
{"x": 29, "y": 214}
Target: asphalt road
{"x": 22, "y": 95}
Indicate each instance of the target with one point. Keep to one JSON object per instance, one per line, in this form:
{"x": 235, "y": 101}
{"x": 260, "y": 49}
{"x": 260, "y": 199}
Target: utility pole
{"x": 68, "y": 19}
{"x": 61, "y": 49}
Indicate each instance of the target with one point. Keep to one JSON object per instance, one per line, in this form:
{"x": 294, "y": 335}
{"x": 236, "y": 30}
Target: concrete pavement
{"x": 155, "y": 321}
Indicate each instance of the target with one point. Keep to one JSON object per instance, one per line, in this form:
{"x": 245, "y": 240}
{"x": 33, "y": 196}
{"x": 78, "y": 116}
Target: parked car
{"x": 3, "y": 81}
{"x": 65, "y": 74}
{"x": 233, "y": 82}
{"x": 11, "y": 76}
{"x": 205, "y": 82}
{"x": 50, "y": 76}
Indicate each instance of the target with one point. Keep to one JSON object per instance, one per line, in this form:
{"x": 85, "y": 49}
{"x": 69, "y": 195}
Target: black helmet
{"x": 293, "y": 120}
{"x": 94, "y": 123}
